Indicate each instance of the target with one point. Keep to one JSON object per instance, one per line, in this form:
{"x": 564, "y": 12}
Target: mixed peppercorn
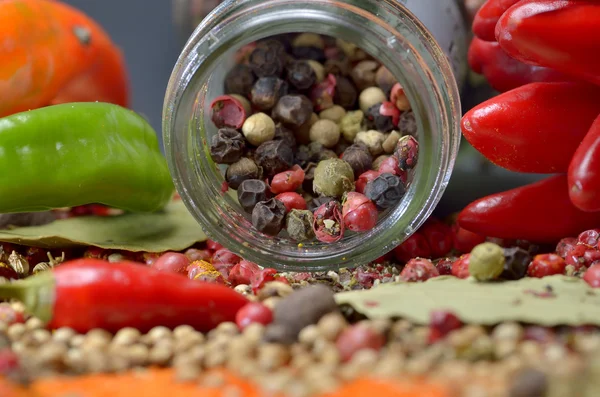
{"x": 318, "y": 137}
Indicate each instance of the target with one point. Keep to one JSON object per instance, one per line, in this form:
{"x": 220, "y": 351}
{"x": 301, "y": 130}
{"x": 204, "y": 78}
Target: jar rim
{"x": 399, "y": 41}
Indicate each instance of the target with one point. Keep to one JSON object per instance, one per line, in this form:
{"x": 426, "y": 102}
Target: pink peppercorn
{"x": 356, "y": 338}
{"x": 416, "y": 246}
{"x": 227, "y": 111}
{"x": 592, "y": 276}
{"x": 365, "y": 178}
{"x": 460, "y": 267}
{"x": 359, "y": 213}
{"x": 441, "y": 323}
{"x": 589, "y": 238}
{"x": 389, "y": 109}
{"x": 195, "y": 254}
{"x": 243, "y": 272}
{"x": 322, "y": 94}
{"x": 213, "y": 245}
{"x": 444, "y": 266}
{"x": 439, "y": 236}
{"x": 223, "y": 260}
{"x": 287, "y": 181}
{"x": 253, "y": 312}
{"x": 576, "y": 256}
{"x": 565, "y": 245}
{"x": 546, "y": 265}
{"x": 172, "y": 262}
{"x": 292, "y": 200}
{"x": 260, "y": 278}
{"x": 418, "y": 269}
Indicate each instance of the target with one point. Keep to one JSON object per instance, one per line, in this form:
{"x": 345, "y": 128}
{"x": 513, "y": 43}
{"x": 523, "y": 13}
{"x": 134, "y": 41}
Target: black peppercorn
{"x": 339, "y": 66}
{"x": 345, "y": 93}
{"x": 312, "y": 53}
{"x": 268, "y": 217}
{"x": 385, "y": 191}
{"x": 359, "y": 159}
{"x": 319, "y": 201}
{"x": 227, "y": 146}
{"x": 529, "y": 383}
{"x": 408, "y": 123}
{"x": 302, "y": 156}
{"x": 274, "y": 157}
{"x": 266, "y": 61}
{"x": 301, "y": 75}
{"x": 252, "y": 191}
{"x": 309, "y": 177}
{"x": 276, "y": 45}
{"x": 377, "y": 121}
{"x": 267, "y": 91}
{"x": 240, "y": 171}
{"x": 293, "y": 109}
{"x": 239, "y": 80}
{"x": 286, "y": 135}
{"x": 516, "y": 262}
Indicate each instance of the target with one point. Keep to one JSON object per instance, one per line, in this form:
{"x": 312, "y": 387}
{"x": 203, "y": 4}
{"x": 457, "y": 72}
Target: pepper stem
{"x": 35, "y": 292}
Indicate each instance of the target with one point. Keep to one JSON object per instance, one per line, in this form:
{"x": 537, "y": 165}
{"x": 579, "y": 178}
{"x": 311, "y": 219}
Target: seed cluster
{"x": 304, "y": 119}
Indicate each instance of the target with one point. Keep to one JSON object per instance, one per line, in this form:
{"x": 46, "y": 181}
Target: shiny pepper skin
{"x": 444, "y": 266}
{"x": 418, "y": 269}
{"x": 365, "y": 178}
{"x": 360, "y": 214}
{"x": 464, "y": 240}
{"x": 292, "y": 200}
{"x": 439, "y": 236}
{"x": 260, "y": 278}
{"x": 534, "y": 128}
{"x": 589, "y": 238}
{"x": 460, "y": 267}
{"x": 592, "y": 276}
{"x": 484, "y": 23}
{"x": 253, "y": 312}
{"x": 416, "y": 246}
{"x": 563, "y": 35}
{"x": 243, "y": 273}
{"x": 528, "y": 213}
{"x": 358, "y": 337}
{"x": 546, "y": 265}
{"x": 584, "y": 171}
{"x": 565, "y": 245}
{"x": 287, "y": 181}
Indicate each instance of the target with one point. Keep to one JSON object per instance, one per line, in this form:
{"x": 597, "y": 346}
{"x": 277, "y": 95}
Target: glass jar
{"x": 383, "y": 28}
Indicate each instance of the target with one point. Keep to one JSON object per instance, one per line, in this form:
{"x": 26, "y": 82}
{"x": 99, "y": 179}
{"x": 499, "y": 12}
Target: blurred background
{"x": 151, "y": 41}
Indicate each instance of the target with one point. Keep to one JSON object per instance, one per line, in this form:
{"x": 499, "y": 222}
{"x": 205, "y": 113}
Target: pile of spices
{"x": 318, "y": 137}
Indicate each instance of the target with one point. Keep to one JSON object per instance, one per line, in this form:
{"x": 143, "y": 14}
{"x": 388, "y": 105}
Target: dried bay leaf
{"x": 549, "y": 301}
{"x": 174, "y": 229}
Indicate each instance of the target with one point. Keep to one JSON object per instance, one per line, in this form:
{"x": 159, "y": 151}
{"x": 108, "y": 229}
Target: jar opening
{"x": 383, "y": 29}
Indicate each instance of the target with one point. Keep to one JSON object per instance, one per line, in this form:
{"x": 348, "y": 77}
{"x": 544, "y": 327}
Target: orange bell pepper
{"x": 52, "y": 53}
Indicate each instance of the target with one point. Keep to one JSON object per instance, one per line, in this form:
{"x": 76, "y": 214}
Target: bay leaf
{"x": 174, "y": 229}
{"x": 548, "y": 301}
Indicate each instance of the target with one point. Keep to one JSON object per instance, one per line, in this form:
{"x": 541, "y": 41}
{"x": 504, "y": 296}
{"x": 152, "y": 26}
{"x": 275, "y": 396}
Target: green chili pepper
{"x": 81, "y": 153}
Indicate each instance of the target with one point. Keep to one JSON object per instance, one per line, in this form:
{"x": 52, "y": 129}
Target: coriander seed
{"x": 369, "y": 97}
{"x": 333, "y": 178}
{"x": 258, "y": 128}
{"x": 326, "y": 132}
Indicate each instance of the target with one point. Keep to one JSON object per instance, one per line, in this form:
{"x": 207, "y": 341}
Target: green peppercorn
{"x": 299, "y": 225}
{"x": 486, "y": 261}
{"x": 351, "y": 124}
{"x": 333, "y": 177}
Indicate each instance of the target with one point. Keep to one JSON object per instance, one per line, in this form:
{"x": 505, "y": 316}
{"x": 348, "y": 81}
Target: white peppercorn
{"x": 351, "y": 124}
{"x": 309, "y": 40}
{"x": 259, "y": 128}
{"x": 389, "y": 145}
{"x": 318, "y": 68}
{"x": 371, "y": 96}
{"x": 334, "y": 113}
{"x": 326, "y": 132}
{"x": 372, "y": 139}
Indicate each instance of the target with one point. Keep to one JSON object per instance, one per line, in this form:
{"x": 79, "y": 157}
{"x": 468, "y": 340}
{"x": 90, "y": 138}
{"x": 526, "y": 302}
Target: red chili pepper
{"x": 88, "y": 293}
{"x": 560, "y": 34}
{"x": 534, "y": 128}
{"x": 540, "y": 212}
{"x": 584, "y": 171}
{"x": 504, "y": 73}
{"x": 484, "y": 23}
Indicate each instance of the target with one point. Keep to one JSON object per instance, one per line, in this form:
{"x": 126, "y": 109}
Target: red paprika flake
{"x": 287, "y": 181}
{"x": 243, "y": 273}
{"x": 322, "y": 94}
{"x": 416, "y": 246}
{"x": 227, "y": 112}
{"x": 460, "y": 267}
{"x": 360, "y": 214}
{"x": 546, "y": 265}
{"x": 418, "y": 269}
{"x": 328, "y": 223}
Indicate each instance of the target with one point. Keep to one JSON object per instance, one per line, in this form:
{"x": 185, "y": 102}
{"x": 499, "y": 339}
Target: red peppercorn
{"x": 243, "y": 272}
{"x": 10, "y": 316}
{"x": 439, "y": 236}
{"x": 389, "y": 109}
{"x": 546, "y": 265}
{"x": 444, "y": 266}
{"x": 392, "y": 166}
{"x": 399, "y": 98}
{"x": 576, "y": 256}
{"x": 253, "y": 312}
{"x": 441, "y": 323}
{"x": 287, "y": 181}
{"x": 292, "y": 200}
{"x": 259, "y": 279}
{"x": 565, "y": 245}
{"x": 205, "y": 271}
{"x": 365, "y": 178}
{"x": 460, "y": 267}
{"x": 213, "y": 245}
{"x": 8, "y": 272}
{"x": 223, "y": 260}
{"x": 589, "y": 238}
{"x": 416, "y": 246}
{"x": 358, "y": 337}
{"x": 418, "y": 269}
{"x": 227, "y": 112}
{"x": 172, "y": 262}
{"x": 360, "y": 214}
{"x": 366, "y": 278}
{"x": 195, "y": 254}
{"x": 323, "y": 93}
{"x": 465, "y": 241}
{"x": 592, "y": 276}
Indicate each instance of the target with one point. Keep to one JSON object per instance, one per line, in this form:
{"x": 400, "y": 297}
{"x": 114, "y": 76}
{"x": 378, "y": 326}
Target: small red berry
{"x": 565, "y": 245}
{"x": 8, "y": 272}
{"x": 253, "y": 312}
{"x": 195, "y": 254}
{"x": 439, "y": 236}
{"x": 592, "y": 276}
{"x": 227, "y": 112}
{"x": 360, "y": 214}
{"x": 441, "y": 323}
{"x": 365, "y": 178}
{"x": 287, "y": 181}
{"x": 389, "y": 109}
{"x": 465, "y": 240}
{"x": 223, "y": 260}
{"x": 416, "y": 246}
{"x": 391, "y": 166}
{"x": 322, "y": 94}
{"x": 243, "y": 272}
{"x": 460, "y": 267}
{"x": 418, "y": 269}
{"x": 576, "y": 256}
{"x": 292, "y": 200}
{"x": 328, "y": 222}
{"x": 589, "y": 237}
{"x": 546, "y": 265}
{"x": 407, "y": 152}
{"x": 260, "y": 278}
{"x": 444, "y": 266}
{"x": 172, "y": 262}
{"x": 213, "y": 245}
{"x": 150, "y": 257}
{"x": 358, "y": 337}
